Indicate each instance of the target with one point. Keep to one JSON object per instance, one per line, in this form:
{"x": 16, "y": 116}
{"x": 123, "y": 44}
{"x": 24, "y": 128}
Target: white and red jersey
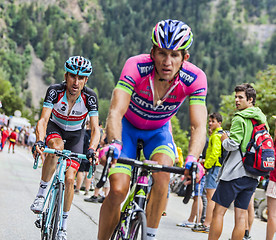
{"x": 56, "y": 99}
{"x": 137, "y": 79}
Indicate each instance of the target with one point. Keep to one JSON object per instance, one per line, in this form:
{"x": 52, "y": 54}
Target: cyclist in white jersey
{"x": 65, "y": 109}
{"x": 150, "y": 90}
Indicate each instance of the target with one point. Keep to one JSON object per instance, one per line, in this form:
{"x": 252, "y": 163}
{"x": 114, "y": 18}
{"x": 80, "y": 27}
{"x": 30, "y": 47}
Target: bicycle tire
{"x": 117, "y": 234}
{"x": 138, "y": 227}
{"x": 56, "y": 213}
{"x": 44, "y": 236}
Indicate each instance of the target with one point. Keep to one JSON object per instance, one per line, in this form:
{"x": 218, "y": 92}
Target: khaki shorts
{"x": 271, "y": 189}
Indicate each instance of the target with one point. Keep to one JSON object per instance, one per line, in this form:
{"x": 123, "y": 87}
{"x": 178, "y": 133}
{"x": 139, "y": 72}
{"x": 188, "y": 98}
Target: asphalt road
{"x": 19, "y": 185}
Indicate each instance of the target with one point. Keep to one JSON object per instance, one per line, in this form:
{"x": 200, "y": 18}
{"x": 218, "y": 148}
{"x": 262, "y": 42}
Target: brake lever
{"x": 106, "y": 167}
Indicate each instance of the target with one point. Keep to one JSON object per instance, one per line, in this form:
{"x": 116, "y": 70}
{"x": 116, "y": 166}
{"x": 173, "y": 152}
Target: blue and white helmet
{"x": 78, "y": 65}
{"x": 172, "y": 34}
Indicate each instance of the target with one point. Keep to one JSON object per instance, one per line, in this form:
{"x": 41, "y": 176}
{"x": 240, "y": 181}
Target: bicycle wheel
{"x": 138, "y": 227}
{"x": 52, "y": 229}
{"x": 56, "y": 213}
{"x": 44, "y": 235}
{"x": 117, "y": 234}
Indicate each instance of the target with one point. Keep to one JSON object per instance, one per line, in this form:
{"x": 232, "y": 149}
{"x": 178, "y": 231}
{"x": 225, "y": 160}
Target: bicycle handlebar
{"x": 67, "y": 154}
{"x": 147, "y": 164}
{"x": 64, "y": 153}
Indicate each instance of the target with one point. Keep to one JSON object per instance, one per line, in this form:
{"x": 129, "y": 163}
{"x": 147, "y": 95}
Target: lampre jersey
{"x": 137, "y": 79}
{"x": 56, "y": 99}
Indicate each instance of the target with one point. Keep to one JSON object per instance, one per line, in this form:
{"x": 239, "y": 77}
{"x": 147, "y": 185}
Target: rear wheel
{"x": 138, "y": 227}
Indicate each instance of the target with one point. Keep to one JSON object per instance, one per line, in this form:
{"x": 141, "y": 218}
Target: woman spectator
{"x": 271, "y": 199}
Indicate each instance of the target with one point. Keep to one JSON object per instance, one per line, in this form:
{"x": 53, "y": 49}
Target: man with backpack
{"x": 235, "y": 183}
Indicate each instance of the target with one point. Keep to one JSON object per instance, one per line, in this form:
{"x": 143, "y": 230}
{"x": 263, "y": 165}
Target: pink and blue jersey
{"x": 137, "y": 80}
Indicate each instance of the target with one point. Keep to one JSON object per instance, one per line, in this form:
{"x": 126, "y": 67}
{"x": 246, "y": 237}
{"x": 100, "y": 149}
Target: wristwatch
{"x": 116, "y": 141}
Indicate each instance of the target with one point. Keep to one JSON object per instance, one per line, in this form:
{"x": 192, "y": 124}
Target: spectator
{"x": 31, "y": 139}
{"x": 250, "y": 215}
{"x": 13, "y": 139}
{"x": 235, "y": 183}
{"x": 97, "y": 198}
{"x": 21, "y": 137}
{"x": 271, "y": 199}
{"x": 212, "y": 166}
{"x": 85, "y": 165}
{"x": 197, "y": 209}
{"x": 5, "y": 135}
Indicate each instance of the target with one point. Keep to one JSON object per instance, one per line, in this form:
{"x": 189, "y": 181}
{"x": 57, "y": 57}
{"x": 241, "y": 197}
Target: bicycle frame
{"x": 132, "y": 213}
{"x": 58, "y": 178}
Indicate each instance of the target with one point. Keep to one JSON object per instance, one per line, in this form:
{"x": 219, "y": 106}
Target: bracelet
{"x": 116, "y": 141}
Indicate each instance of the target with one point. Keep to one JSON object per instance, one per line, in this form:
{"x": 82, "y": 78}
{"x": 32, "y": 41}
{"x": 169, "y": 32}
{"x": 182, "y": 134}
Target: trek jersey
{"x": 137, "y": 79}
{"x": 56, "y": 99}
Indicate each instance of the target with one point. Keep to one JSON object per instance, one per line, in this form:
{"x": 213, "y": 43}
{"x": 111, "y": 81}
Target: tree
{"x": 11, "y": 102}
{"x": 266, "y": 95}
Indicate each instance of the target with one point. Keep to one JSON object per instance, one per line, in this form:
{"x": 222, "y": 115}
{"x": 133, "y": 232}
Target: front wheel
{"x": 118, "y": 233}
{"x": 138, "y": 227}
{"x": 56, "y": 216}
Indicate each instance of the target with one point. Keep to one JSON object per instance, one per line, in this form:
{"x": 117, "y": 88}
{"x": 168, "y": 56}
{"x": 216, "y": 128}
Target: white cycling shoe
{"x": 62, "y": 235}
{"x": 38, "y": 204}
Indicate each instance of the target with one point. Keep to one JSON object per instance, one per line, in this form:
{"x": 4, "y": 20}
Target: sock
{"x": 42, "y": 191}
{"x": 151, "y": 233}
{"x": 64, "y": 220}
{"x": 246, "y": 234}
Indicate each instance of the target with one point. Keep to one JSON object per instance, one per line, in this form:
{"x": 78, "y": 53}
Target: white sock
{"x": 64, "y": 220}
{"x": 42, "y": 191}
{"x": 151, "y": 233}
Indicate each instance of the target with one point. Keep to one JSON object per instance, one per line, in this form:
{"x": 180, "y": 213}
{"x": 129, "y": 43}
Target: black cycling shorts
{"x": 74, "y": 140}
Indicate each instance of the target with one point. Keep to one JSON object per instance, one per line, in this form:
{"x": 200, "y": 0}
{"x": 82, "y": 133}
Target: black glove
{"x": 40, "y": 144}
{"x": 90, "y": 154}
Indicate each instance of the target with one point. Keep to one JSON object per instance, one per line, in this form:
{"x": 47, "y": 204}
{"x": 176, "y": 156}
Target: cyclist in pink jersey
{"x": 151, "y": 89}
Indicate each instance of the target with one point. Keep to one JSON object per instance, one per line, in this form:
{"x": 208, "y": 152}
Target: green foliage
{"x": 266, "y": 95}
{"x": 113, "y": 30}
{"x": 103, "y": 110}
{"x": 11, "y": 102}
{"x": 180, "y": 137}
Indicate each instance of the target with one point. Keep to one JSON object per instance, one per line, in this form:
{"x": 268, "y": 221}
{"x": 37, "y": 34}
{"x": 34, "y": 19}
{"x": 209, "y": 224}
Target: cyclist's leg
{"x": 49, "y": 165}
{"x": 159, "y": 190}
{"x": 74, "y": 142}
{"x": 48, "y": 168}
{"x": 158, "y": 147}
{"x": 69, "y": 188}
{"x": 110, "y": 210}
{"x": 119, "y": 178}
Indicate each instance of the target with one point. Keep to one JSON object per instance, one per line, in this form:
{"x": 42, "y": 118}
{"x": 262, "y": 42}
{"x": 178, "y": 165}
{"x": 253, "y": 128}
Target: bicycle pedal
{"x": 37, "y": 223}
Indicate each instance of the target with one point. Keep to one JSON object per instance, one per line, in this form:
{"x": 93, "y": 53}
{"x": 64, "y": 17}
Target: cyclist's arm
{"x": 198, "y": 121}
{"x": 41, "y": 126}
{"x": 95, "y": 132}
{"x": 118, "y": 107}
